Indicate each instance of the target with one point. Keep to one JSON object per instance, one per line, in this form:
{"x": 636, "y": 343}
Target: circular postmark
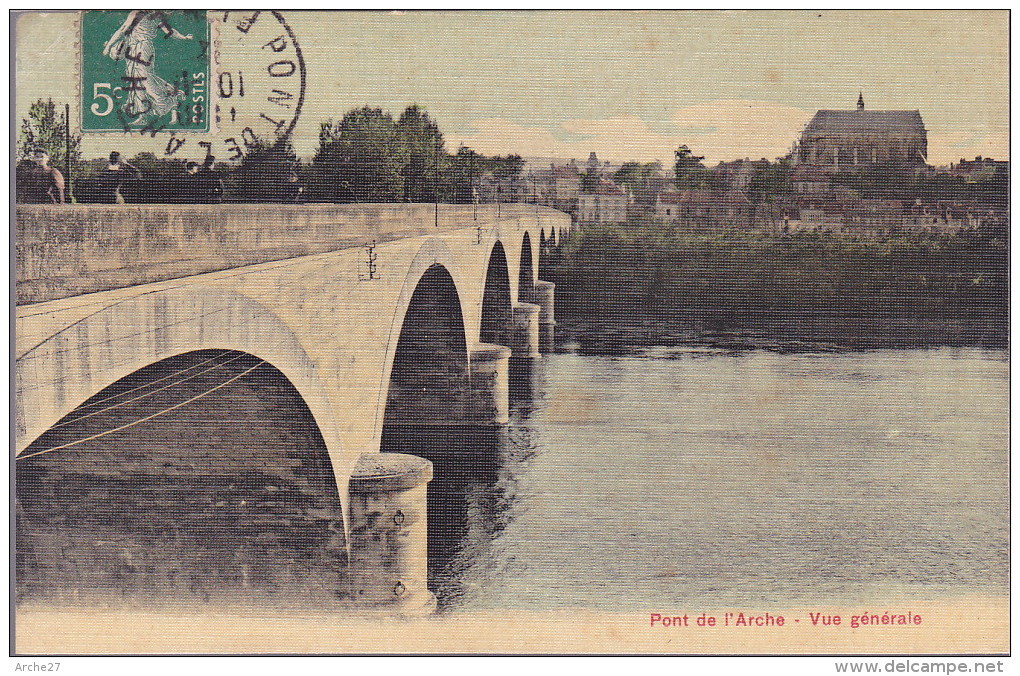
{"x": 259, "y": 86}
{"x": 192, "y": 85}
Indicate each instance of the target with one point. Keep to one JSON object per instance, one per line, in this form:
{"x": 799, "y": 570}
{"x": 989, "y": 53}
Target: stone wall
{"x": 68, "y": 250}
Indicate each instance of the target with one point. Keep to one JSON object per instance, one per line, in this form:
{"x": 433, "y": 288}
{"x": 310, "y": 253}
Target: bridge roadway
{"x": 103, "y": 291}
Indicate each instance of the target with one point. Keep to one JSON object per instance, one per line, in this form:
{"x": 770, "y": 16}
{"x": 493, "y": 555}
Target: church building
{"x": 840, "y": 140}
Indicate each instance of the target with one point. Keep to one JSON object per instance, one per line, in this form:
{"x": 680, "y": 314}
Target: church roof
{"x": 840, "y": 122}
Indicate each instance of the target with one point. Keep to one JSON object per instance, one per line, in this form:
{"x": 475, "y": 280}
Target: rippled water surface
{"x": 695, "y": 475}
{"x": 666, "y": 478}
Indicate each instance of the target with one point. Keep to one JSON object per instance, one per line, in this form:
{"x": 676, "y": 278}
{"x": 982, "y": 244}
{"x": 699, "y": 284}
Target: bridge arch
{"x": 143, "y": 490}
{"x": 78, "y": 361}
{"x": 526, "y": 270}
{"x": 497, "y": 306}
{"x": 427, "y": 342}
{"x": 429, "y": 371}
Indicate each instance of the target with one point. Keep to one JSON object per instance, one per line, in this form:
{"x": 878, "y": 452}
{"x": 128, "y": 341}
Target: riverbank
{"x": 645, "y": 284}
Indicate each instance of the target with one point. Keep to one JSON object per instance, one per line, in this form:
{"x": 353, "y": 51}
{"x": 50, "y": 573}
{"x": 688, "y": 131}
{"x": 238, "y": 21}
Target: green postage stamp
{"x": 144, "y": 70}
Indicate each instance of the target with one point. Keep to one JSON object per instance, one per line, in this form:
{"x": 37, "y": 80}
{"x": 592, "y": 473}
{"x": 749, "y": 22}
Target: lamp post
{"x": 471, "y": 184}
{"x": 435, "y": 182}
{"x": 67, "y": 148}
{"x": 534, "y": 192}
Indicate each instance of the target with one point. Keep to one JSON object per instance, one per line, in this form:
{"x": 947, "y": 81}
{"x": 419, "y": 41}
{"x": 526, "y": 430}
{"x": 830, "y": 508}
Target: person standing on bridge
{"x": 211, "y": 185}
{"x": 291, "y": 189}
{"x": 37, "y": 182}
{"x": 110, "y": 181}
{"x": 201, "y": 184}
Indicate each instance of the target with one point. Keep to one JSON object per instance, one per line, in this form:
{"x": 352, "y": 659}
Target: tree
{"x": 993, "y": 191}
{"x": 160, "y": 180}
{"x": 689, "y": 171}
{"x": 465, "y": 167}
{"x": 46, "y": 128}
{"x": 153, "y": 168}
{"x": 644, "y": 181}
{"x": 360, "y": 159}
{"x": 878, "y": 181}
{"x": 507, "y": 172}
{"x": 426, "y": 155}
{"x": 769, "y": 186}
{"x": 769, "y": 181}
{"x": 507, "y": 168}
{"x": 589, "y": 181}
{"x": 267, "y": 173}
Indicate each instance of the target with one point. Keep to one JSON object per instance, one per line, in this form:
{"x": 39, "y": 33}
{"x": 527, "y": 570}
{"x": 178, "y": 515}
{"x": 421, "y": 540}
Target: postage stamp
{"x": 144, "y": 70}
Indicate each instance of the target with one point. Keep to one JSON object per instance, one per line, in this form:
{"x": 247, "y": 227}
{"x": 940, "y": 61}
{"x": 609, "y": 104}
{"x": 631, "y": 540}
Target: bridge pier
{"x": 490, "y": 384}
{"x": 388, "y": 569}
{"x": 543, "y": 295}
{"x": 524, "y": 331}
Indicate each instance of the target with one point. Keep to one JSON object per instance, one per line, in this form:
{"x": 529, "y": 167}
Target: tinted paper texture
{"x": 700, "y": 317}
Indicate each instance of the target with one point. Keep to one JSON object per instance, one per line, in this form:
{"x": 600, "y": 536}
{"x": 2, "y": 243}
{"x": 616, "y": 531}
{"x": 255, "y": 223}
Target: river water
{"x": 658, "y": 478}
{"x": 680, "y": 477}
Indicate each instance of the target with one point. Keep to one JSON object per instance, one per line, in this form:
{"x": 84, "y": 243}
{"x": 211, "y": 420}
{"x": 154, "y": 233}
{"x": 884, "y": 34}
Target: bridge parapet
{"x": 69, "y": 250}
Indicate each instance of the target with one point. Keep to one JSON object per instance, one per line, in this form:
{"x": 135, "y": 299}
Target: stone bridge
{"x": 400, "y": 313}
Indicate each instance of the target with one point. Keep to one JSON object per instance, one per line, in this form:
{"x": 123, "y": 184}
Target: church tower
{"x": 860, "y": 101}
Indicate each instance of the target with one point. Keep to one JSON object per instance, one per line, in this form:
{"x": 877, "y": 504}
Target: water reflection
{"x": 522, "y": 385}
{"x": 471, "y": 496}
{"x": 718, "y": 476}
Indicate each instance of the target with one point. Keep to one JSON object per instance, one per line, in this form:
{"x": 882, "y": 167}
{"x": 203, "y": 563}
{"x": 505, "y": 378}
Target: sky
{"x": 626, "y": 85}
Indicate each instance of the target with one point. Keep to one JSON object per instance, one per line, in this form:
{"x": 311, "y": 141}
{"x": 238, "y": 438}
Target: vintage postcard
{"x": 512, "y": 332}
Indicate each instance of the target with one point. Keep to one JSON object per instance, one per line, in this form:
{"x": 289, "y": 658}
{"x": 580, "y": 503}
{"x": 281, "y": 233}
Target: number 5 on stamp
{"x": 145, "y": 71}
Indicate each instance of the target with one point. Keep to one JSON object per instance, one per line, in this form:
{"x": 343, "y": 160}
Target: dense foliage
{"x": 658, "y": 281}
{"x": 644, "y": 180}
{"x": 366, "y": 156}
{"x": 361, "y": 158}
{"x": 46, "y": 128}
{"x": 688, "y": 170}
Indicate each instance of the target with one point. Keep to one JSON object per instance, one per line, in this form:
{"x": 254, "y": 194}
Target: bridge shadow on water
{"x": 473, "y": 494}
